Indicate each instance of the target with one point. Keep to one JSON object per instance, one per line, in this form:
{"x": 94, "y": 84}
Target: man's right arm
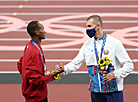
{"x": 75, "y": 63}
{"x": 33, "y": 71}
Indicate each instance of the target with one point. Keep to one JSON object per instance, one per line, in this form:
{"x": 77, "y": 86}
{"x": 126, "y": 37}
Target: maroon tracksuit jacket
{"x": 34, "y": 81}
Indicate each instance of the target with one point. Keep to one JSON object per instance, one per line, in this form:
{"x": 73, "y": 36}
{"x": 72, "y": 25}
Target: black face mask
{"x": 91, "y": 32}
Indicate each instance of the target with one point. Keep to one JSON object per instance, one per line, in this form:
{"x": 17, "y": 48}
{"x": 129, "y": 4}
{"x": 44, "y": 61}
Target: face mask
{"x": 91, "y": 32}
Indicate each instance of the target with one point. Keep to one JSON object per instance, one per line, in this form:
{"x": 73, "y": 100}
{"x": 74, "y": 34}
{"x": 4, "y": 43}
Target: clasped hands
{"x": 107, "y": 76}
{"x": 59, "y": 68}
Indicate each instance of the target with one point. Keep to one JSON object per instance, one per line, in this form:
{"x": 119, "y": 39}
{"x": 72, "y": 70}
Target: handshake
{"x": 55, "y": 73}
{"x": 59, "y": 68}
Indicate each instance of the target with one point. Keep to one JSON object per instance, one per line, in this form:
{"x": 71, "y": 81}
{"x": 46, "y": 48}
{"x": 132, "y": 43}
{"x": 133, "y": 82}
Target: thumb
{"x": 60, "y": 64}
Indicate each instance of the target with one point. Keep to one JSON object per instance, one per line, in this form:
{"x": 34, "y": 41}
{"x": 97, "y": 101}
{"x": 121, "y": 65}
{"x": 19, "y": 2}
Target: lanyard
{"x": 102, "y": 48}
{"x": 40, "y": 53}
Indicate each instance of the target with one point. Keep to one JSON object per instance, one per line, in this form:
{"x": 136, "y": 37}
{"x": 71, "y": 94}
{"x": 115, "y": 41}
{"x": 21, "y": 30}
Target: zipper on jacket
{"x": 99, "y": 82}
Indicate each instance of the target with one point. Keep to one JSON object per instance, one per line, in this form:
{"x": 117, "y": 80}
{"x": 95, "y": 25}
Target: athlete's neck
{"x": 99, "y": 35}
{"x": 36, "y": 40}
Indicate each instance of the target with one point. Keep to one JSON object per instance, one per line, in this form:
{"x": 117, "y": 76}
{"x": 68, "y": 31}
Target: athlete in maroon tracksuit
{"x": 31, "y": 66}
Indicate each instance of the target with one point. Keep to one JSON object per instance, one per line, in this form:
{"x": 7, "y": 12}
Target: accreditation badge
{"x": 106, "y": 51}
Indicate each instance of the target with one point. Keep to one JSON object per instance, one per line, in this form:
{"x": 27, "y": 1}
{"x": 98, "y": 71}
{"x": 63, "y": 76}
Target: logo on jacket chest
{"x": 106, "y": 51}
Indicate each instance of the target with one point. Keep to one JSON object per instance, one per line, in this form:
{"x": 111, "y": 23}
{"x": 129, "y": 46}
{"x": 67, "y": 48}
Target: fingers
{"x": 108, "y": 77}
{"x": 57, "y": 69}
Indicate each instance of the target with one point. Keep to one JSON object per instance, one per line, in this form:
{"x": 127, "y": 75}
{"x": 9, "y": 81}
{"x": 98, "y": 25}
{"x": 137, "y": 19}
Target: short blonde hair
{"x": 96, "y": 19}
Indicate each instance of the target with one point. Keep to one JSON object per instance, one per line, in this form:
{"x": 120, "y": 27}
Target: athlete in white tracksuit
{"x": 110, "y": 85}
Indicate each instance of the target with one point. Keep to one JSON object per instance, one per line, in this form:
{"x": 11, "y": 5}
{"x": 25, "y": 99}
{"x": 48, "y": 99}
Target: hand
{"x": 102, "y": 70}
{"x": 57, "y": 69}
{"x": 61, "y": 67}
{"x": 109, "y": 77}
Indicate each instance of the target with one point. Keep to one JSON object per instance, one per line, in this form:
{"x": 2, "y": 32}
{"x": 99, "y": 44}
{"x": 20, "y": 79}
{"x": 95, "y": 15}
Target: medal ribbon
{"x": 40, "y": 53}
{"x": 102, "y": 48}
{"x": 97, "y": 57}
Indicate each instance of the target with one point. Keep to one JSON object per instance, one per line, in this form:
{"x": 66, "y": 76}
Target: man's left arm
{"x": 19, "y": 65}
{"x": 125, "y": 60}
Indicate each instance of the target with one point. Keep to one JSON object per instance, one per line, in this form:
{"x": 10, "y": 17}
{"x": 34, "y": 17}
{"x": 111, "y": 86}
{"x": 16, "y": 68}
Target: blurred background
{"x": 65, "y": 24}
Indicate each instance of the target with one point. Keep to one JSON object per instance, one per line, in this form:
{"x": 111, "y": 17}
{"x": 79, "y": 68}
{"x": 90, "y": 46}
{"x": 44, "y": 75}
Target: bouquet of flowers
{"x": 104, "y": 61}
{"x": 103, "y": 64}
{"x": 55, "y": 77}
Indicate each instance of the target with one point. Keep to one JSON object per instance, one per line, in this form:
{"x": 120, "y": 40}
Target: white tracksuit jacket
{"x": 117, "y": 54}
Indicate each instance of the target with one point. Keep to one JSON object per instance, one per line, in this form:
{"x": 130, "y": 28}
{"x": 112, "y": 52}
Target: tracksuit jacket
{"x": 34, "y": 82}
{"x": 117, "y": 54}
